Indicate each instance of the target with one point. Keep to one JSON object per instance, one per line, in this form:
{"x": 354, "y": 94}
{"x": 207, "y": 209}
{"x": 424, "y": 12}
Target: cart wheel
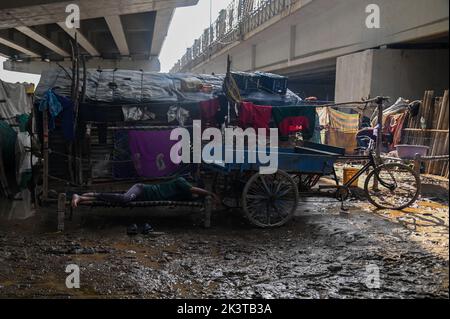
{"x": 270, "y": 200}
{"x": 398, "y": 186}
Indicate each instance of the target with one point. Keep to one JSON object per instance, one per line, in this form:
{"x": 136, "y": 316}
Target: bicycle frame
{"x": 365, "y": 168}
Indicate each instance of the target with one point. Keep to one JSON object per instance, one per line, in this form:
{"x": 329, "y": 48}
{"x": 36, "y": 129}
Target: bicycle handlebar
{"x": 371, "y": 145}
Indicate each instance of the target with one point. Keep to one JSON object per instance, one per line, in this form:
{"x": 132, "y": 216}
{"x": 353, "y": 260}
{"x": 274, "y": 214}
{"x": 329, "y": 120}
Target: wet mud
{"x": 321, "y": 253}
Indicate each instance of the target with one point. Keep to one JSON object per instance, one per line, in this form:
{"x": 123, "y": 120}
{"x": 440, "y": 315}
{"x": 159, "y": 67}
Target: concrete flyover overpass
{"x": 113, "y": 33}
{"x": 326, "y": 48}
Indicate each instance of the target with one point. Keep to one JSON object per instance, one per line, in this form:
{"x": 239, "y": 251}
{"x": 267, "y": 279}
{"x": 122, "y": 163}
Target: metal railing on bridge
{"x": 238, "y": 19}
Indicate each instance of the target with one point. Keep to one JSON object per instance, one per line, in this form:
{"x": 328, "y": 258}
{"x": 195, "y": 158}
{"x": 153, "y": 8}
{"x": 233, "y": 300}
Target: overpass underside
{"x": 128, "y": 34}
{"x": 327, "y": 50}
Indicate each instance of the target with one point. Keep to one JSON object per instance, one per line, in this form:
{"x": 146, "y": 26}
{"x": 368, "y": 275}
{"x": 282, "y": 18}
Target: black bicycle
{"x": 388, "y": 185}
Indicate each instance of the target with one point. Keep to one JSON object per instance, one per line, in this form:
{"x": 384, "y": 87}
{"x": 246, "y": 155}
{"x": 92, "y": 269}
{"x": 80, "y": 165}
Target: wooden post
{"x": 380, "y": 128}
{"x": 80, "y": 163}
{"x": 46, "y": 157}
{"x": 61, "y": 211}
{"x": 379, "y": 136}
{"x": 417, "y": 163}
{"x": 3, "y": 179}
{"x": 208, "y": 210}
{"x": 88, "y": 139}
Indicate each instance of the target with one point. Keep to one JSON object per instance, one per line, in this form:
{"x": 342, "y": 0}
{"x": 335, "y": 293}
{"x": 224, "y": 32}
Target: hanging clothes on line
{"x": 393, "y": 127}
{"x": 291, "y": 119}
{"x": 255, "y": 116}
{"x": 150, "y": 152}
{"x": 343, "y": 129}
{"x": 51, "y": 103}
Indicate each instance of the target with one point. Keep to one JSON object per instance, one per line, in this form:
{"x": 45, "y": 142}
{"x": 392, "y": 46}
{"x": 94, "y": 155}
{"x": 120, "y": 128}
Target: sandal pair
{"x": 133, "y": 230}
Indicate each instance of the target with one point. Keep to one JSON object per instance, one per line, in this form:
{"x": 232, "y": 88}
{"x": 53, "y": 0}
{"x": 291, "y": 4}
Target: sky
{"x": 187, "y": 25}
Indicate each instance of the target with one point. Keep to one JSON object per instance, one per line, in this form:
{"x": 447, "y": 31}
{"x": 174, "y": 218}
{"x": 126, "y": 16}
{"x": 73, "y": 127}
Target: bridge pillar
{"x": 391, "y": 72}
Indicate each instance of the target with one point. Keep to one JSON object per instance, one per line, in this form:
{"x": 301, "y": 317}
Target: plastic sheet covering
{"x": 186, "y": 82}
{"x": 60, "y": 80}
{"x": 158, "y": 87}
{"x": 216, "y": 81}
{"x": 15, "y": 98}
{"x": 137, "y": 113}
{"x": 265, "y": 98}
{"x": 133, "y": 87}
{"x": 111, "y": 86}
{"x": 197, "y": 97}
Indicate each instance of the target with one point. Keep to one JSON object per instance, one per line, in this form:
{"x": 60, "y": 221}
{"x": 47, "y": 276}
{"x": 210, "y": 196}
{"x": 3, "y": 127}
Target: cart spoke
{"x": 261, "y": 177}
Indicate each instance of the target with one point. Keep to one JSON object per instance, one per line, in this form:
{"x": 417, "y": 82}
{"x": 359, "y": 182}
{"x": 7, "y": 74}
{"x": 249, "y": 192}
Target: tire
{"x": 270, "y": 201}
{"x": 395, "y": 181}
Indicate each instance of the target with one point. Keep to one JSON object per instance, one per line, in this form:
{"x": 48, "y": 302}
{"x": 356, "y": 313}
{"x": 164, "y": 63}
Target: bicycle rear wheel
{"x": 398, "y": 186}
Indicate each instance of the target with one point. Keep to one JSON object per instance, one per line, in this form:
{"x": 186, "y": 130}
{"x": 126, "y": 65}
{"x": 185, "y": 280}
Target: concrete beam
{"x": 116, "y": 28}
{"x": 82, "y": 41}
{"x": 37, "y": 67}
{"x": 162, "y": 23}
{"x": 46, "y": 13}
{"x": 42, "y": 40}
{"x": 19, "y": 48}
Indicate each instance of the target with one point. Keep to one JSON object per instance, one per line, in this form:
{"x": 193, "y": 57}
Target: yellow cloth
{"x": 343, "y": 129}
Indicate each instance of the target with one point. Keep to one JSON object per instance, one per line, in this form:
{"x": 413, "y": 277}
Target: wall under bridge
{"x": 305, "y": 41}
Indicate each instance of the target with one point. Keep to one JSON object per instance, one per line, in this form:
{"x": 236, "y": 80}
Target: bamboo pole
{"x": 46, "y": 157}
{"x": 379, "y": 145}
{"x": 3, "y": 179}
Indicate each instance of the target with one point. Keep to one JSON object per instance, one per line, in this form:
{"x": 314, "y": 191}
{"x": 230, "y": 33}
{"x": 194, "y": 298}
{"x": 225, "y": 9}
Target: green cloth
{"x": 8, "y": 138}
{"x": 25, "y": 178}
{"x": 23, "y": 122}
{"x": 176, "y": 190}
{"x": 287, "y": 116}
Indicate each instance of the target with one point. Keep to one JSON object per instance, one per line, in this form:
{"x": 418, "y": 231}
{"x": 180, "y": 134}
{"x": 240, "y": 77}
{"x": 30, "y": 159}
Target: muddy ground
{"x": 322, "y": 253}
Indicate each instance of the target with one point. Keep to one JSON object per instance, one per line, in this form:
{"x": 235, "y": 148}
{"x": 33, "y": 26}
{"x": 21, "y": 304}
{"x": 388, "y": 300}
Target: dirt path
{"x": 322, "y": 253}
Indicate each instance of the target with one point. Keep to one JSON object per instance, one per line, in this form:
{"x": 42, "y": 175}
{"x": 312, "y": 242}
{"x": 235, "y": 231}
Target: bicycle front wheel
{"x": 392, "y": 186}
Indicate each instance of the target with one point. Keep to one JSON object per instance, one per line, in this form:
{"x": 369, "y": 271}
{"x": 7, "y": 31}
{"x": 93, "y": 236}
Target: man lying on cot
{"x": 176, "y": 190}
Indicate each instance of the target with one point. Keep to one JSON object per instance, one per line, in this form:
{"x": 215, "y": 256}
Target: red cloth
{"x": 209, "y": 111}
{"x": 255, "y": 116}
{"x": 293, "y": 124}
{"x": 394, "y": 126}
{"x": 246, "y": 115}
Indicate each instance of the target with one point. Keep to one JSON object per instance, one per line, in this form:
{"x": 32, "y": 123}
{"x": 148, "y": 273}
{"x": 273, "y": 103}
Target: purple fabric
{"x": 151, "y": 153}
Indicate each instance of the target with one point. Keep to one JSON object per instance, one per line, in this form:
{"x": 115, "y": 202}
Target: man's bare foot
{"x": 75, "y": 200}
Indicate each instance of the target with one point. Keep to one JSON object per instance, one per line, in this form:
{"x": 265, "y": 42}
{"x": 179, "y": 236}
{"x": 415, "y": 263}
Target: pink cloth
{"x": 150, "y": 152}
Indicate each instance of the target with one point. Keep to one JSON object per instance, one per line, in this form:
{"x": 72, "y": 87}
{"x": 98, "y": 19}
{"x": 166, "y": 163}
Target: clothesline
{"x": 137, "y": 127}
{"x": 352, "y": 104}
